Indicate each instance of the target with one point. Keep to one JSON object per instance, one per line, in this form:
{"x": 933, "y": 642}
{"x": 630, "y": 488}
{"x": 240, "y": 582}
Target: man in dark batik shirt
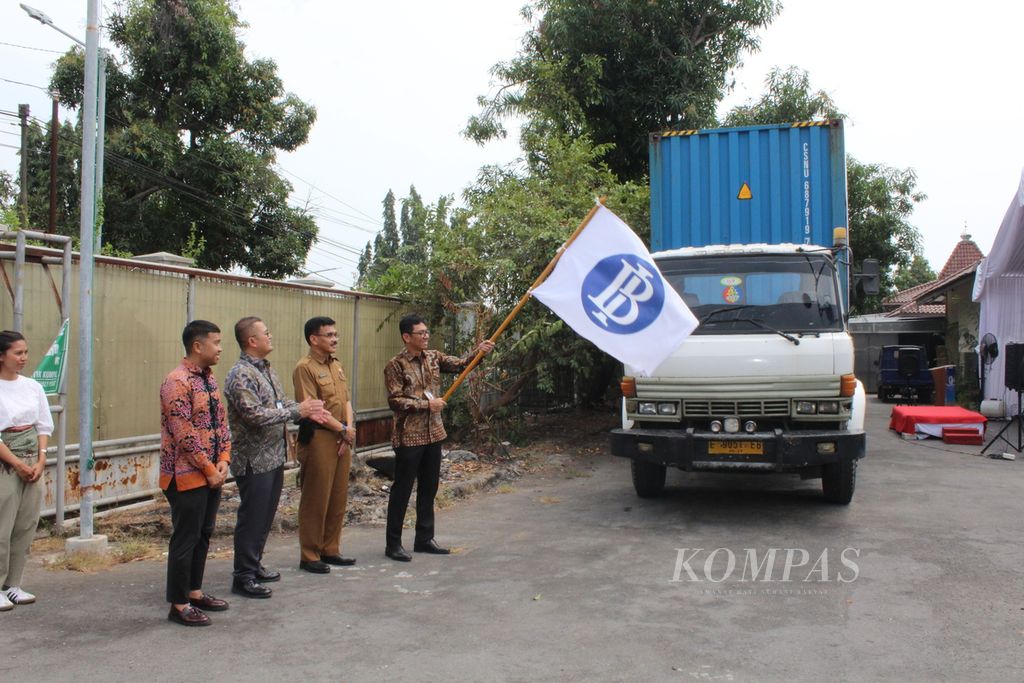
{"x": 258, "y": 411}
{"x": 413, "y": 381}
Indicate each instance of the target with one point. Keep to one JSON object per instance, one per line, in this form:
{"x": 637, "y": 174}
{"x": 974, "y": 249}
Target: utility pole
{"x": 53, "y": 168}
{"x": 23, "y": 112}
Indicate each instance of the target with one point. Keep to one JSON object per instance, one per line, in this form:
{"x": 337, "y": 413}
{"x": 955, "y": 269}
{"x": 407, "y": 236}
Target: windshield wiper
{"x": 724, "y": 309}
{"x": 758, "y": 323}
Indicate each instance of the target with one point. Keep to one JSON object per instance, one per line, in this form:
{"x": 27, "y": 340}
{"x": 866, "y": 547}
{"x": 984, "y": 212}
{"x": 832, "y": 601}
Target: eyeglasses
{"x": 421, "y": 333}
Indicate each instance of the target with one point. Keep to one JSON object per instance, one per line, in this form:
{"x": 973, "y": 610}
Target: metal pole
{"x": 190, "y": 300}
{"x": 60, "y": 475}
{"x": 19, "y": 282}
{"x": 23, "y": 111}
{"x": 354, "y": 370}
{"x": 101, "y": 125}
{"x": 86, "y": 474}
{"x": 54, "y": 128}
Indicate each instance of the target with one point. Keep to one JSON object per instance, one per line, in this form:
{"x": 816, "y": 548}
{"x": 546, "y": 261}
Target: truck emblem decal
{"x": 623, "y": 294}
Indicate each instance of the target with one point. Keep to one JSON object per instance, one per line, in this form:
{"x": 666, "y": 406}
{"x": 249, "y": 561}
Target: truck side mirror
{"x": 869, "y": 277}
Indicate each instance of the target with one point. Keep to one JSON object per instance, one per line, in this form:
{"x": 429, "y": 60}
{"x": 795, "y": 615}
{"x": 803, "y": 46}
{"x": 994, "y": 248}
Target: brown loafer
{"x": 209, "y": 603}
{"x": 190, "y": 616}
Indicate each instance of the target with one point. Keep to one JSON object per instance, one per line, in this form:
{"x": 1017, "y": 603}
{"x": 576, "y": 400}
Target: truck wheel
{"x": 648, "y": 479}
{"x": 883, "y": 394}
{"x": 838, "y": 481}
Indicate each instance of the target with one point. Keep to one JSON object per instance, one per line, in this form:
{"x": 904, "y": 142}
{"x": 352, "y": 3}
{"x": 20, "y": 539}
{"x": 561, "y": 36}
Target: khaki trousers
{"x": 324, "y": 495}
{"x": 19, "y": 516}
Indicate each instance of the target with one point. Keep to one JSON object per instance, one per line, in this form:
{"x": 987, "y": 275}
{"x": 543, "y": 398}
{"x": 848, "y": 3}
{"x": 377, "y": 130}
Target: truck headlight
{"x": 806, "y": 407}
{"x": 666, "y": 409}
{"x": 828, "y": 407}
{"x": 732, "y": 425}
{"x": 647, "y": 408}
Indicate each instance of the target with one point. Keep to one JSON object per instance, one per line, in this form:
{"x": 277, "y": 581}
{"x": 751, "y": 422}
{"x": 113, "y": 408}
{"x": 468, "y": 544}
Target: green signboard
{"x": 50, "y": 372}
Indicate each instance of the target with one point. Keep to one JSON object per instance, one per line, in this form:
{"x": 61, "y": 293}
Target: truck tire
{"x": 648, "y": 479}
{"x": 883, "y": 394}
{"x": 838, "y": 481}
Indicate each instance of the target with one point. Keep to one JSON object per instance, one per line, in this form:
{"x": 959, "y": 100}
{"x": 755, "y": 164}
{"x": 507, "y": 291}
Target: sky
{"x": 928, "y": 85}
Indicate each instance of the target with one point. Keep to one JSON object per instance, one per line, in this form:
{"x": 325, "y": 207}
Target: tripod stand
{"x": 1016, "y": 419}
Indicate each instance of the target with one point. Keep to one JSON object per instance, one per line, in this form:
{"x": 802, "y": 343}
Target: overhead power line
{"x": 29, "y": 47}
{"x": 27, "y": 85}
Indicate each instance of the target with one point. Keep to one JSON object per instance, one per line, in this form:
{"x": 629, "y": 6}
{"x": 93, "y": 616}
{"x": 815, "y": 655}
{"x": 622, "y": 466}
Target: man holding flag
{"x": 413, "y": 380}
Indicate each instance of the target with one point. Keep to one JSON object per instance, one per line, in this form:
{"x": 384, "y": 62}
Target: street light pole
{"x": 87, "y": 225}
{"x": 93, "y": 98}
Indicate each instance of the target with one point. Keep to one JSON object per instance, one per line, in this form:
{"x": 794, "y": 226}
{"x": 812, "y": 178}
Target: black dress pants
{"x": 260, "y": 494}
{"x": 422, "y": 463}
{"x": 193, "y": 514}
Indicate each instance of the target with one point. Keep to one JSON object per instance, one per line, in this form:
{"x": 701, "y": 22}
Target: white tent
{"x": 999, "y": 288}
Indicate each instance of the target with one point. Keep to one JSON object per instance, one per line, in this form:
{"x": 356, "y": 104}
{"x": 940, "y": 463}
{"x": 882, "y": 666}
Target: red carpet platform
{"x": 923, "y": 421}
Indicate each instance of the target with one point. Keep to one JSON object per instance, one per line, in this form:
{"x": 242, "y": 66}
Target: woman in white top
{"x": 25, "y": 429}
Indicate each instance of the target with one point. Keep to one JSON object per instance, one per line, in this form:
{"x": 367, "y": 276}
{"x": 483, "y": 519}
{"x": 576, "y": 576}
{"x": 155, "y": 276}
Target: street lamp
{"x": 101, "y": 115}
{"x": 92, "y": 99}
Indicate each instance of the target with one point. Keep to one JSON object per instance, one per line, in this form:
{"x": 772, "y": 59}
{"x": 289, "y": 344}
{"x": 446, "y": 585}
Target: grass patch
{"x": 87, "y": 563}
{"x": 133, "y": 549}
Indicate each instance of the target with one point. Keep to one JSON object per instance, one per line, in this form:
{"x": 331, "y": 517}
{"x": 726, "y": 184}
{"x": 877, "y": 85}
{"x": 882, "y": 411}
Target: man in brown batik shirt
{"x": 413, "y": 381}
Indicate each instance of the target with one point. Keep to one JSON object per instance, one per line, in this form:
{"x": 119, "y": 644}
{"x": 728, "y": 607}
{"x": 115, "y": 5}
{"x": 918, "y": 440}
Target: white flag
{"x": 607, "y": 288}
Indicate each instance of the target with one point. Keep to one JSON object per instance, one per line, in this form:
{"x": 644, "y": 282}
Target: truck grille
{"x": 744, "y": 408}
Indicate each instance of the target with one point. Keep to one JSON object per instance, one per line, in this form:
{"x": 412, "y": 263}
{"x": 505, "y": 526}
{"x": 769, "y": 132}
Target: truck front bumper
{"x": 776, "y": 451}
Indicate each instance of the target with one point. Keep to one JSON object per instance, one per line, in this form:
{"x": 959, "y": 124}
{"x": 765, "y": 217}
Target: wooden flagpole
{"x": 526, "y": 297}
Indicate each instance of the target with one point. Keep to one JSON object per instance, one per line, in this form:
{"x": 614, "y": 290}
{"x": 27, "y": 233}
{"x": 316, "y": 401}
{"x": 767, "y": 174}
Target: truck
{"x": 749, "y": 225}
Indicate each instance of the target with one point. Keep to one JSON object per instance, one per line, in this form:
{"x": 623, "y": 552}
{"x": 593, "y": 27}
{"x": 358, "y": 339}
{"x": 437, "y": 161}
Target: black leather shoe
{"x": 251, "y": 589}
{"x": 264, "y": 575}
{"x": 398, "y": 554}
{"x": 430, "y": 547}
{"x": 190, "y": 616}
{"x": 338, "y": 560}
{"x": 315, "y": 567}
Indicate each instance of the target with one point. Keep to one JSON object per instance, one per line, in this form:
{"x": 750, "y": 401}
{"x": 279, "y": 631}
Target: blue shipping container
{"x": 757, "y": 184}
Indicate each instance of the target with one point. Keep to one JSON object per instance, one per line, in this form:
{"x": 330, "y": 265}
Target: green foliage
{"x": 194, "y": 245}
{"x": 493, "y": 249}
{"x": 617, "y": 70}
{"x": 787, "y": 97}
{"x": 880, "y": 198}
{"x": 918, "y": 273}
{"x": 193, "y": 128}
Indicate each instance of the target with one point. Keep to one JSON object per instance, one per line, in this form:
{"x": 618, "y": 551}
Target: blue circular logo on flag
{"x": 623, "y": 294}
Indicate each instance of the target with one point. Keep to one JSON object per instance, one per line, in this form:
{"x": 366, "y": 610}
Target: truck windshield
{"x": 741, "y": 294}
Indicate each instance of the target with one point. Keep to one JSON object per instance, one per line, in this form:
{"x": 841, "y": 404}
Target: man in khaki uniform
{"x": 327, "y": 457}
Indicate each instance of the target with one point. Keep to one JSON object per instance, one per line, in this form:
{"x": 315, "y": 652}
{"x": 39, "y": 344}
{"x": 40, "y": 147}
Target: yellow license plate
{"x": 736, "y": 448}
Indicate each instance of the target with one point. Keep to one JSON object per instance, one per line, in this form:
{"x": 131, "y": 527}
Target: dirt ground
{"x": 550, "y": 445}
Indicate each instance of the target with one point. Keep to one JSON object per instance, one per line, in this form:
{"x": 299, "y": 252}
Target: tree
{"x": 787, "y": 97}
{"x": 193, "y": 129}
{"x": 616, "y": 70}
{"x": 411, "y": 225}
{"x": 490, "y": 252}
{"x": 388, "y": 248}
{"x": 363, "y": 269}
{"x": 69, "y": 151}
{"x": 918, "y": 273}
{"x": 8, "y": 195}
{"x": 880, "y": 198}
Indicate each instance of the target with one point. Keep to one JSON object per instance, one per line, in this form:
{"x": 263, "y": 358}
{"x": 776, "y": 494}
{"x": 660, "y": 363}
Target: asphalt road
{"x": 574, "y": 578}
